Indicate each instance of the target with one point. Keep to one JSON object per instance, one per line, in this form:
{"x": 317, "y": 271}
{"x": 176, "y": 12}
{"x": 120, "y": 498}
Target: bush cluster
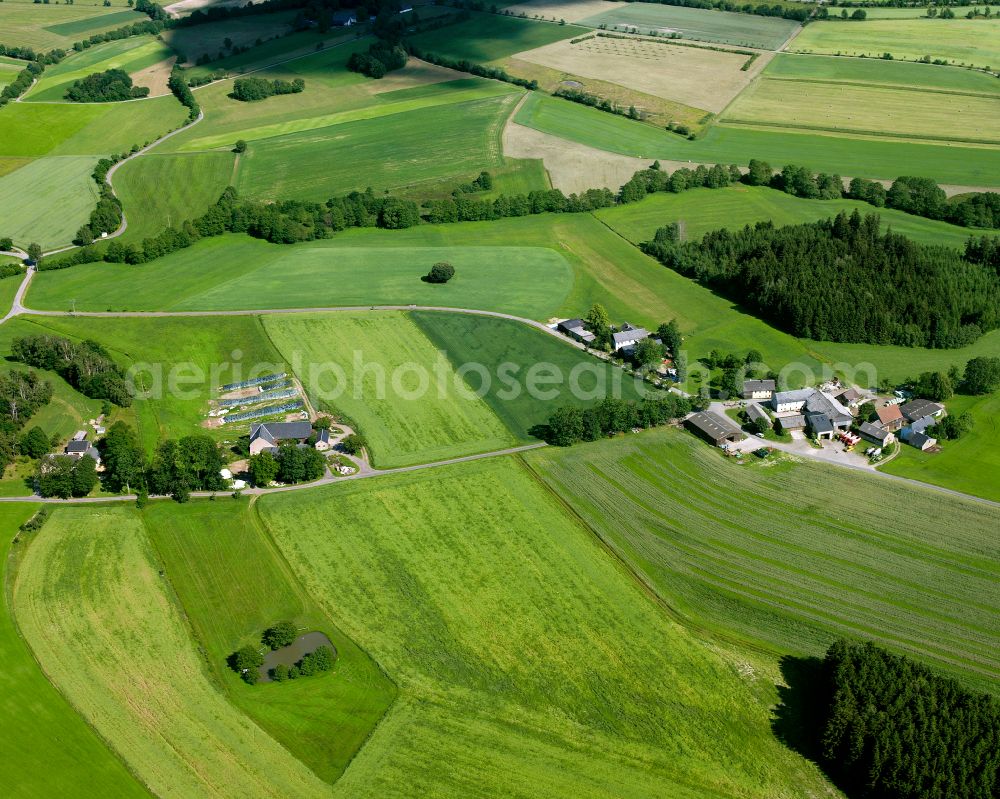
{"x": 292, "y": 464}
{"x": 104, "y": 87}
{"x": 182, "y": 91}
{"x": 382, "y": 57}
{"x": 85, "y": 365}
{"x": 252, "y": 89}
{"x": 21, "y": 396}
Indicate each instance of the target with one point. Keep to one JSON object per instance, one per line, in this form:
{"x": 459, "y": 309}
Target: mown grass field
{"x": 179, "y": 363}
{"x": 541, "y": 373}
{"x": 971, "y": 464}
{"x": 237, "y": 272}
{"x": 379, "y": 370}
{"x": 725, "y": 27}
{"x": 233, "y": 584}
{"x": 45, "y": 26}
{"x": 109, "y": 634}
{"x": 193, "y": 41}
{"x": 488, "y": 37}
{"x": 703, "y": 210}
{"x": 35, "y": 129}
{"x": 26, "y": 200}
{"x": 528, "y": 661}
{"x": 850, "y": 155}
{"x": 975, "y": 42}
{"x": 48, "y": 749}
{"x": 793, "y": 555}
{"x": 131, "y": 55}
{"x": 159, "y": 190}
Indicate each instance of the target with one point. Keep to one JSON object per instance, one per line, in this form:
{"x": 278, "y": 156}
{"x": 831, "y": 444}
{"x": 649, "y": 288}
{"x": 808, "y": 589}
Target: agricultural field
{"x": 233, "y": 584}
{"x": 702, "y": 210}
{"x": 384, "y": 375}
{"x": 577, "y": 379}
{"x": 968, "y": 42}
{"x": 44, "y": 26}
{"x": 107, "y": 630}
{"x": 528, "y": 662}
{"x": 26, "y": 199}
{"x": 724, "y": 27}
{"x": 570, "y": 10}
{"x": 865, "y": 157}
{"x": 489, "y": 37}
{"x": 799, "y": 553}
{"x": 827, "y": 104}
{"x": 971, "y": 464}
{"x": 191, "y": 42}
{"x": 132, "y": 55}
{"x": 36, "y": 714}
{"x": 160, "y": 190}
{"x": 9, "y": 68}
{"x": 237, "y": 272}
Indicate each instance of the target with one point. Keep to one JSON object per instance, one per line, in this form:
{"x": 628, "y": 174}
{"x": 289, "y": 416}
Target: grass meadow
{"x": 703, "y": 210}
{"x": 528, "y": 661}
{"x": 793, "y": 555}
{"x": 233, "y": 584}
{"x": 37, "y": 716}
{"x": 489, "y": 37}
{"x": 27, "y": 195}
{"x": 384, "y": 375}
{"x": 132, "y": 54}
{"x": 237, "y": 272}
{"x": 467, "y": 339}
{"x": 44, "y": 26}
{"x": 851, "y": 155}
{"x": 975, "y": 42}
{"x": 110, "y": 635}
{"x": 159, "y": 190}
{"x": 724, "y": 27}
{"x": 194, "y": 41}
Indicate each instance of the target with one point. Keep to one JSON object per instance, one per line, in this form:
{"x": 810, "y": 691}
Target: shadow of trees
{"x": 800, "y": 716}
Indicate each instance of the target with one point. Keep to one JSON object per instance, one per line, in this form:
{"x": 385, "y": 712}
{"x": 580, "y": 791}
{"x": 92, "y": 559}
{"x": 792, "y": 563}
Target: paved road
{"x": 327, "y": 480}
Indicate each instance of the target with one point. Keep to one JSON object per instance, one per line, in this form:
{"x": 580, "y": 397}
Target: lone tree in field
{"x": 353, "y": 444}
{"x": 441, "y": 272}
{"x": 241, "y": 146}
{"x": 34, "y": 252}
{"x": 245, "y": 662}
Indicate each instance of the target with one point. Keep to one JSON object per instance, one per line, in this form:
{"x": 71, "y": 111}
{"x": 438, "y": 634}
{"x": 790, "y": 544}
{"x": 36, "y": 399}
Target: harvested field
{"x": 569, "y": 10}
{"x": 696, "y": 76}
{"x": 155, "y": 77}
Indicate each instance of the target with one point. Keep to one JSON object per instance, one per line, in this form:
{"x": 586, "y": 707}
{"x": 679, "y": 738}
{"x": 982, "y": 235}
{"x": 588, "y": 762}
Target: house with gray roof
{"x": 79, "y": 447}
{"x": 921, "y": 441}
{"x": 626, "y": 338}
{"x": 576, "y": 328}
{"x": 822, "y": 413}
{"x": 794, "y": 422}
{"x": 876, "y": 434}
{"x": 918, "y": 408}
{"x": 270, "y": 435}
{"x": 786, "y": 401}
{"x": 755, "y": 413}
{"x": 758, "y": 389}
{"x": 714, "y": 428}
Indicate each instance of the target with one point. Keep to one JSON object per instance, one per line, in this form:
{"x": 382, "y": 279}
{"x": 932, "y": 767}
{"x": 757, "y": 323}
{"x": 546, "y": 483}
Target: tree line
{"x": 107, "y": 214}
{"x": 570, "y": 424}
{"x": 893, "y": 728}
{"x": 760, "y": 10}
{"x": 252, "y": 89}
{"x": 22, "y": 395}
{"x": 842, "y": 279}
{"x": 85, "y": 365}
{"x": 292, "y": 464}
{"x": 112, "y": 85}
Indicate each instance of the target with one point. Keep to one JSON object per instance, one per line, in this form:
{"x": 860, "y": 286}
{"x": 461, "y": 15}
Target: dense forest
{"x": 842, "y": 280}
{"x": 895, "y": 730}
{"x": 86, "y": 365}
{"x": 105, "y": 87}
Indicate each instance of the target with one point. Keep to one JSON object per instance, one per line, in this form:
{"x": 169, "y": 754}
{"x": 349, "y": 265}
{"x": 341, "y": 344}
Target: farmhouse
{"x": 714, "y": 428}
{"x": 574, "y": 328}
{"x": 268, "y": 436}
{"x": 79, "y": 447}
{"x": 824, "y": 415}
{"x": 755, "y": 413}
{"x": 876, "y": 434}
{"x": 850, "y": 397}
{"x": 322, "y": 440}
{"x": 344, "y": 18}
{"x": 918, "y": 408}
{"x": 921, "y": 441}
{"x": 787, "y": 401}
{"x": 626, "y": 338}
{"x": 758, "y": 389}
{"x": 889, "y": 417}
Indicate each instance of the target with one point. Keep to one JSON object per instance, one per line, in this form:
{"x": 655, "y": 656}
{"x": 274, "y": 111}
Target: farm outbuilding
{"x": 714, "y": 428}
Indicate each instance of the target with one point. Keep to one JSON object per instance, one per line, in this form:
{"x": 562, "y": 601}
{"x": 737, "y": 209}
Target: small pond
{"x": 294, "y": 652}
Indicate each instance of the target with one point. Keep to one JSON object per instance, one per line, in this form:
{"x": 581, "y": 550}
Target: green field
{"x": 848, "y": 155}
{"x": 975, "y": 42}
{"x": 159, "y": 190}
{"x": 193, "y": 41}
{"x": 971, "y": 464}
{"x": 233, "y": 584}
{"x": 793, "y": 555}
{"x": 766, "y": 33}
{"x": 380, "y": 371}
{"x": 271, "y": 51}
{"x": 577, "y": 379}
{"x": 26, "y": 200}
{"x": 109, "y": 634}
{"x": 489, "y": 37}
{"x": 132, "y": 54}
{"x": 237, "y": 272}
{"x": 175, "y": 360}
{"x": 528, "y": 662}
{"x": 34, "y": 129}
{"x": 703, "y": 210}
{"x": 48, "y": 749}
{"x": 45, "y": 26}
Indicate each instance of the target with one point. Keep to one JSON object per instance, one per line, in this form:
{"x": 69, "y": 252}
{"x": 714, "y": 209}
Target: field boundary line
{"x": 903, "y": 87}
{"x": 914, "y": 137}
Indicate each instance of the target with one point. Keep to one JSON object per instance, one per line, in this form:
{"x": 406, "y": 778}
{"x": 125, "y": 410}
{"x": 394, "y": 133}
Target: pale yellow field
{"x": 705, "y": 79}
{"x": 155, "y": 77}
{"x": 106, "y": 631}
{"x": 878, "y": 109}
{"x": 569, "y": 10}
